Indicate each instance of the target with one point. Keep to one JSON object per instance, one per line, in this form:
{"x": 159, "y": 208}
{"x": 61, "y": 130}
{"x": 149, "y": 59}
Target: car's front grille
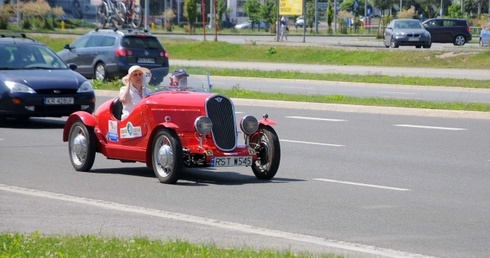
{"x": 413, "y": 35}
{"x": 222, "y": 113}
{"x": 56, "y": 91}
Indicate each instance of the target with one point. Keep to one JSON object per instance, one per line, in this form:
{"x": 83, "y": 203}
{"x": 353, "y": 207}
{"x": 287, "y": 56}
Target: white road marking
{"x": 431, "y": 127}
{"x": 316, "y": 118}
{"x": 361, "y": 184}
{"x": 346, "y": 246}
{"x": 312, "y": 143}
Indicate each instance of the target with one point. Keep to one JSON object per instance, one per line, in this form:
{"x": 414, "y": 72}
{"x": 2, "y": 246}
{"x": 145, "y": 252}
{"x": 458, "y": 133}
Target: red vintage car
{"x": 174, "y": 128}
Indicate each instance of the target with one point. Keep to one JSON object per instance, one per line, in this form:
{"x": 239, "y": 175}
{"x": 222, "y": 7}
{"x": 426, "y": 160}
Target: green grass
{"x": 37, "y": 245}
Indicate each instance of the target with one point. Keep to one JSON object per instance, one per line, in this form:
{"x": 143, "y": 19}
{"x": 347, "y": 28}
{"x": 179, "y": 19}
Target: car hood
{"x": 44, "y": 79}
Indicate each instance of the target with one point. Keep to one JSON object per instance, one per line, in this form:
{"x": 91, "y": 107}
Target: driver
{"x": 134, "y": 89}
{"x": 179, "y": 78}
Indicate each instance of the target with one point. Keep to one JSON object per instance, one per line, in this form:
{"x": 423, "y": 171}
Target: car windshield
{"x": 408, "y": 25}
{"x": 17, "y": 56}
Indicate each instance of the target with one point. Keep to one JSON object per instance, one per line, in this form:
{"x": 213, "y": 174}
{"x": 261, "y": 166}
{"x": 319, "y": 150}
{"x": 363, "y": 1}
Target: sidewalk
{"x": 472, "y": 74}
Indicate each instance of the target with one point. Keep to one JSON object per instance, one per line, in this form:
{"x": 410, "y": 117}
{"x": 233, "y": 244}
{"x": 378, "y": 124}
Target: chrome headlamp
{"x": 203, "y": 125}
{"x": 249, "y": 124}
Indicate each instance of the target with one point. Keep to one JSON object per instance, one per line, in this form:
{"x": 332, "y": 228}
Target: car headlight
{"x": 86, "y": 87}
{"x": 203, "y": 125}
{"x": 249, "y": 124}
{"x": 16, "y": 87}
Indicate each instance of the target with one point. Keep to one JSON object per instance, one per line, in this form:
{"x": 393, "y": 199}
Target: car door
{"x": 435, "y": 29}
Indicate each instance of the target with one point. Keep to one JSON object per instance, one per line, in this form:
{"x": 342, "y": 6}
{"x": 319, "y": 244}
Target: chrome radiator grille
{"x": 222, "y": 113}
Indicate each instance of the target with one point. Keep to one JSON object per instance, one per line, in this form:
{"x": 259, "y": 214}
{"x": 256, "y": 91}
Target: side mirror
{"x": 67, "y": 46}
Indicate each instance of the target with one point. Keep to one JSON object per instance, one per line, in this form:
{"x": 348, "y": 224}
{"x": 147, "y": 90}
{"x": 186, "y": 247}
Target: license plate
{"x": 146, "y": 60}
{"x": 58, "y": 101}
{"x": 231, "y": 161}
{"x": 413, "y": 39}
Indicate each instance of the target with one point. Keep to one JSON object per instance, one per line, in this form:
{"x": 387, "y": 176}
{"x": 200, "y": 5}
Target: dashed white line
{"x": 361, "y": 184}
{"x": 313, "y": 143}
{"x": 431, "y": 127}
{"x": 346, "y": 246}
{"x": 317, "y": 118}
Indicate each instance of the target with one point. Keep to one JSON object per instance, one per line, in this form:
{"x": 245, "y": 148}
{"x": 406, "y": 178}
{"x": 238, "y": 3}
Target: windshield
{"x": 29, "y": 57}
{"x": 161, "y": 79}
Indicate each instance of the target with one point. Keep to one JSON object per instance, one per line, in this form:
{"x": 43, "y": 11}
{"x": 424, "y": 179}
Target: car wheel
{"x": 266, "y": 144}
{"x": 418, "y": 46}
{"x": 393, "y": 43}
{"x": 100, "y": 72}
{"x": 166, "y": 156}
{"x": 76, "y": 10}
{"x": 81, "y": 146}
{"x": 459, "y": 40}
{"x": 428, "y": 45}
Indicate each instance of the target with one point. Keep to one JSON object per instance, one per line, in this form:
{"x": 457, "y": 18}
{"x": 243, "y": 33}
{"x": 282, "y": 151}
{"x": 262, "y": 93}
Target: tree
{"x": 330, "y": 14}
{"x": 268, "y": 12}
{"x": 190, "y": 12}
{"x": 454, "y": 11}
{"x": 252, "y": 9}
{"x": 383, "y": 4}
{"x": 310, "y": 15}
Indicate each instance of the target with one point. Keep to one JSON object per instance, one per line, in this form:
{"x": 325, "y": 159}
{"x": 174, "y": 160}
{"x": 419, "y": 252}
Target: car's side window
{"x": 108, "y": 41}
{"x": 94, "y": 41}
{"x": 81, "y": 43}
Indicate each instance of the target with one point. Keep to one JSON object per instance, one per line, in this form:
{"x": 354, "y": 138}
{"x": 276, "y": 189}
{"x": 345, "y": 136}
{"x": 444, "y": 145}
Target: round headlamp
{"x": 249, "y": 124}
{"x": 203, "y": 125}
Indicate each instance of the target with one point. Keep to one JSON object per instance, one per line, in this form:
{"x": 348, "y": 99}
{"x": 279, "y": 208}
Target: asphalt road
{"x": 364, "y": 185}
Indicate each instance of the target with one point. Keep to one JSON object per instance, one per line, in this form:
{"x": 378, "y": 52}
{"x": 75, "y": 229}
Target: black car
{"x": 35, "y": 82}
{"x": 448, "y": 30}
{"x": 108, "y": 54}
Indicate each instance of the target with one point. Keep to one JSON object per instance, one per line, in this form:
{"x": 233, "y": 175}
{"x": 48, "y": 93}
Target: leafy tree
{"x": 310, "y": 15}
{"x": 454, "y": 11}
{"x": 383, "y": 4}
{"x": 190, "y": 11}
{"x": 330, "y": 15}
{"x": 252, "y": 9}
{"x": 268, "y": 12}
{"x": 221, "y": 9}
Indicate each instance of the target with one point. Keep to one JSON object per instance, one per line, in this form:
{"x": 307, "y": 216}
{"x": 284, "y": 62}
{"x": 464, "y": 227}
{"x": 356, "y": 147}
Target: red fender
{"x": 87, "y": 119}
{"x": 267, "y": 122}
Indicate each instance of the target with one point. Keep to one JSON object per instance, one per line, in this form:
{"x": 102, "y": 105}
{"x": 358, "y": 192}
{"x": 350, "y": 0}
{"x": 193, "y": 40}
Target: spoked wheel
{"x": 166, "y": 156}
{"x": 266, "y": 144}
{"x": 100, "y": 72}
{"x": 81, "y": 146}
{"x": 135, "y": 18}
{"x": 102, "y": 15}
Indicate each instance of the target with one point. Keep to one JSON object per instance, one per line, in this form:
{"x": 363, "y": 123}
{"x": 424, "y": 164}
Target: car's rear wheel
{"x": 418, "y": 46}
{"x": 166, "y": 156}
{"x": 100, "y": 72}
{"x": 266, "y": 144}
{"x": 459, "y": 40}
{"x": 81, "y": 146}
{"x": 393, "y": 43}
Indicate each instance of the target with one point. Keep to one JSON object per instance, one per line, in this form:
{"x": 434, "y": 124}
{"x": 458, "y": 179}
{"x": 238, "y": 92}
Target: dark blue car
{"x": 35, "y": 82}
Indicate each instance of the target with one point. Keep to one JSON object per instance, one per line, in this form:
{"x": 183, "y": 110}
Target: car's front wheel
{"x": 266, "y": 144}
{"x": 393, "y": 43}
{"x": 459, "y": 40}
{"x": 81, "y": 146}
{"x": 100, "y": 72}
{"x": 166, "y": 156}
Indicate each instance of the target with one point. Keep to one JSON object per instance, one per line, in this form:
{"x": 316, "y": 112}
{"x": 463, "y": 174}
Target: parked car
{"x": 448, "y": 30}
{"x": 174, "y": 128}
{"x": 35, "y": 82}
{"x": 406, "y": 32}
{"x": 300, "y": 22}
{"x": 248, "y": 25}
{"x": 79, "y": 9}
{"x": 484, "y": 37}
{"x": 108, "y": 54}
